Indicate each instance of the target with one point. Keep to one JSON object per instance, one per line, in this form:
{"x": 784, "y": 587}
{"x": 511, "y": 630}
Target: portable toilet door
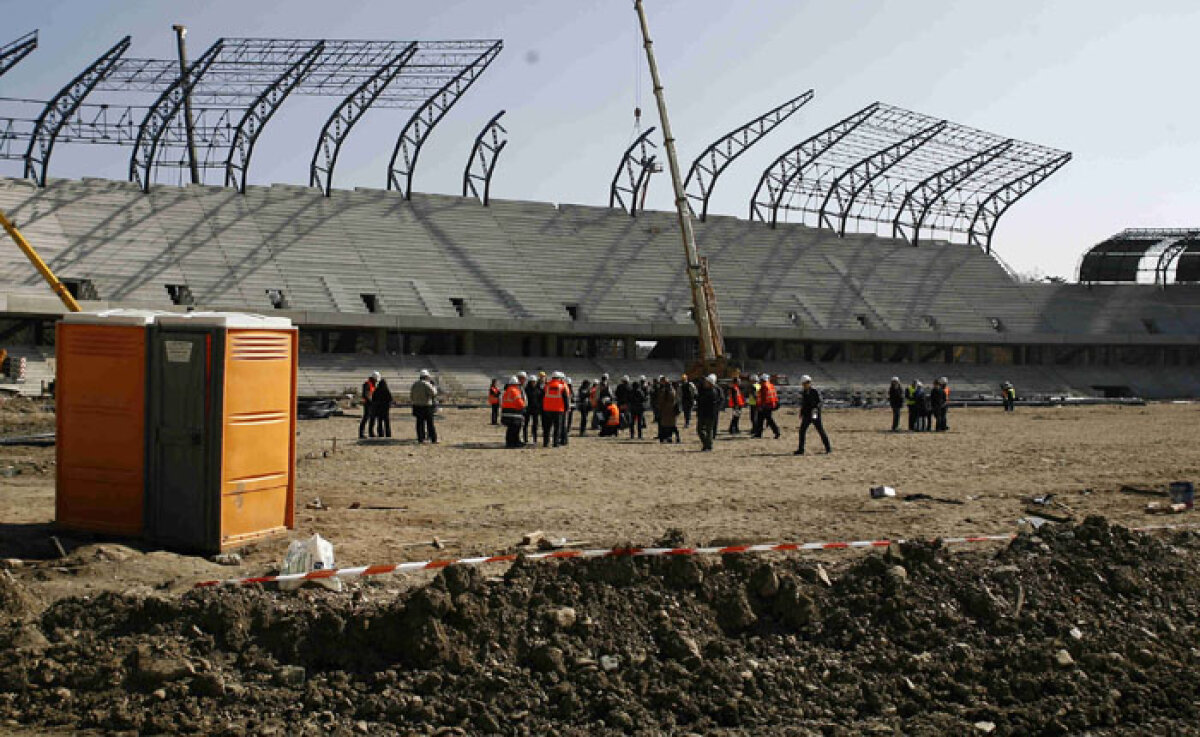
{"x": 222, "y": 430}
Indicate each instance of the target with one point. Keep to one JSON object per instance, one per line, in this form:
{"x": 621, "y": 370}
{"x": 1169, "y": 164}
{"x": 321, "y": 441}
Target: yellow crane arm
{"x": 59, "y": 288}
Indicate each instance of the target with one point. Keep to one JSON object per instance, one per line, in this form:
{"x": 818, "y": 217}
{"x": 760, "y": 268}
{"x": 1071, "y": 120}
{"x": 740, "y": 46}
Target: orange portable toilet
{"x": 100, "y": 420}
{"x": 222, "y": 428}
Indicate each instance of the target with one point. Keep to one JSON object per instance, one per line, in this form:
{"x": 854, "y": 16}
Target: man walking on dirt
{"x": 810, "y": 414}
{"x": 896, "y": 400}
{"x": 768, "y": 402}
{"x": 687, "y": 400}
{"x": 708, "y": 405}
{"x": 424, "y": 404}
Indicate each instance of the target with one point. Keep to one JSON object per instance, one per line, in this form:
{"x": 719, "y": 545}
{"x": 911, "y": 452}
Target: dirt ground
{"x": 480, "y": 498}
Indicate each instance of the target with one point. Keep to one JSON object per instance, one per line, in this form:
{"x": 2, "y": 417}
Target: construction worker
{"x": 666, "y": 410}
{"x": 939, "y": 399}
{"x": 810, "y": 414}
{"x": 910, "y": 400}
{"x": 585, "y": 404}
{"x": 424, "y": 405}
{"x": 512, "y": 411}
{"x": 555, "y": 398}
{"x": 924, "y": 408}
{"x": 1010, "y": 396}
{"x": 381, "y": 407}
{"x": 708, "y": 407}
{"x": 896, "y": 400}
{"x": 687, "y": 399}
{"x": 564, "y": 432}
{"x": 735, "y": 402}
{"x": 637, "y": 407}
{"x": 494, "y": 401}
{"x": 768, "y": 402}
{"x": 367, "y": 424}
{"x": 533, "y": 407}
{"x": 621, "y": 398}
{"x": 612, "y": 418}
{"x": 750, "y": 391}
{"x": 603, "y": 389}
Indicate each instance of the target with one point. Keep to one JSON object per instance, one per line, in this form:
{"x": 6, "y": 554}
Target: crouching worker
{"x": 612, "y": 419}
{"x": 512, "y": 412}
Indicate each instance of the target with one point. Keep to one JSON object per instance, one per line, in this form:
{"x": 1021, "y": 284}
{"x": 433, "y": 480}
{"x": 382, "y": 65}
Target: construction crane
{"x": 59, "y": 288}
{"x": 704, "y": 301}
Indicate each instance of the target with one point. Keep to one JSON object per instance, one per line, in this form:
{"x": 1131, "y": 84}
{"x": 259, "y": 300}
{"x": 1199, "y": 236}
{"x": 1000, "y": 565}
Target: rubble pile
{"x": 1071, "y": 629}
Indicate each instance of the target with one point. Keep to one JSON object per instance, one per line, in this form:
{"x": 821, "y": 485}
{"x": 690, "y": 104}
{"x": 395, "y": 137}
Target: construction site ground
{"x": 163, "y": 659}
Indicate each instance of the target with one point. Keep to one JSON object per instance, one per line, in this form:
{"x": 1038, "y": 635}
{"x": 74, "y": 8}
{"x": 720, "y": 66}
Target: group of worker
{"x": 528, "y": 400}
{"x": 377, "y": 401}
{"x": 927, "y": 408}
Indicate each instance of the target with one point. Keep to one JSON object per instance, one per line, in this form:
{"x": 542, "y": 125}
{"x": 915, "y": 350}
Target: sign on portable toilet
{"x": 222, "y": 430}
{"x": 100, "y": 396}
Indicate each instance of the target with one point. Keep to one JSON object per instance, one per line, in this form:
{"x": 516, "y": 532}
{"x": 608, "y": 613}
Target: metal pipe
{"x": 696, "y": 280}
{"x": 59, "y": 288}
{"x": 188, "y": 122}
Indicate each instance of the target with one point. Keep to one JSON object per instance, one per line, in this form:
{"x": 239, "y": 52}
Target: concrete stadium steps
{"x": 252, "y": 269}
{"x": 35, "y": 213}
{"x": 39, "y": 370}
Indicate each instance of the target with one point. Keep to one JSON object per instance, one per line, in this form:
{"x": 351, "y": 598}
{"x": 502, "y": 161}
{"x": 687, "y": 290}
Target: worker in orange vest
{"x": 612, "y": 418}
{"x": 367, "y": 423}
{"x": 768, "y": 402}
{"x": 736, "y": 401}
{"x": 494, "y": 401}
{"x": 512, "y": 412}
{"x": 554, "y": 408}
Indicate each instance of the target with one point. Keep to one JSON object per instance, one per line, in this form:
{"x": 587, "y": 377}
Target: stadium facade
{"x": 886, "y": 268}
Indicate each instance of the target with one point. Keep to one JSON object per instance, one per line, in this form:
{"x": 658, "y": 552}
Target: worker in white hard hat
{"x": 750, "y": 392}
{"x": 367, "y": 424}
{"x": 555, "y": 400}
{"x": 512, "y": 410}
{"x": 810, "y": 413}
{"x": 896, "y": 400}
{"x": 708, "y": 406}
{"x": 424, "y": 404}
{"x": 768, "y": 402}
{"x": 939, "y": 400}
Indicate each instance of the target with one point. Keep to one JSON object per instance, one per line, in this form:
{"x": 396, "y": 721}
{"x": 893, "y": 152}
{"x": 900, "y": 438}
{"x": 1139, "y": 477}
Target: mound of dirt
{"x": 15, "y": 600}
{"x": 1086, "y": 628}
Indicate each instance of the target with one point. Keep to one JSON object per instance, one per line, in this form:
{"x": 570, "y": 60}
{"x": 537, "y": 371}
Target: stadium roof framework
{"x": 892, "y": 171}
{"x": 1144, "y": 256}
{"x": 13, "y": 52}
{"x": 235, "y": 86}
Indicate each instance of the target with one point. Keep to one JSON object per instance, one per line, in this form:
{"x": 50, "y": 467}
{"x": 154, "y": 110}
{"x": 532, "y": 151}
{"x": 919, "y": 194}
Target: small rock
{"x": 291, "y": 675}
{"x": 152, "y": 669}
{"x": 765, "y": 582}
{"x": 897, "y": 574}
{"x": 362, "y": 727}
{"x": 1063, "y": 659}
{"x": 1114, "y": 694}
{"x": 679, "y": 646}
{"x": 609, "y": 663}
{"x": 227, "y": 559}
{"x": 62, "y": 693}
{"x": 10, "y": 563}
{"x": 1075, "y": 633}
{"x": 160, "y": 694}
{"x": 564, "y": 618}
{"x": 547, "y": 659}
{"x": 985, "y": 727}
{"x": 208, "y": 684}
{"x": 823, "y": 575}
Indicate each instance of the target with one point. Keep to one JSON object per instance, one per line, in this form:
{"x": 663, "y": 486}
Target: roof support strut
{"x": 260, "y": 111}
{"x": 919, "y": 200}
{"x": 983, "y": 225}
{"x": 162, "y": 112}
{"x": 408, "y": 145}
{"x": 347, "y": 114}
{"x": 636, "y": 165}
{"x": 61, "y": 107}
{"x": 707, "y": 167}
{"x": 11, "y": 54}
{"x": 484, "y": 154}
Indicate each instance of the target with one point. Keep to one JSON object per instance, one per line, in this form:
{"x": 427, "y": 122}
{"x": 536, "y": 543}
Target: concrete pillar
{"x": 550, "y": 346}
{"x": 468, "y": 343}
{"x": 380, "y": 341}
{"x": 630, "y": 347}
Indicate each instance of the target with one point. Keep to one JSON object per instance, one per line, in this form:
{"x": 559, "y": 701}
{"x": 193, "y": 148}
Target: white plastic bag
{"x": 305, "y": 556}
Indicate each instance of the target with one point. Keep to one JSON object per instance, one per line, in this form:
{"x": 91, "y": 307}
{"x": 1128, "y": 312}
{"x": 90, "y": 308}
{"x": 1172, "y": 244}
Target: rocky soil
{"x": 1072, "y": 630}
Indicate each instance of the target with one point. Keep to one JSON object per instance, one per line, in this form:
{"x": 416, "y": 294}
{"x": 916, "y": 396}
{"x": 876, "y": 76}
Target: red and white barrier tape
{"x": 430, "y": 565}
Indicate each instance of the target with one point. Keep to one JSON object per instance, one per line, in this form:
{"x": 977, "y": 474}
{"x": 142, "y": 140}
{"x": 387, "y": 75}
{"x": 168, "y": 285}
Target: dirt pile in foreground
{"x": 1080, "y": 628}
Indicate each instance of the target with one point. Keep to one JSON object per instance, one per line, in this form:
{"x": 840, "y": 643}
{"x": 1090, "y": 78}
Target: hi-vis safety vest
{"x": 614, "y": 416}
{"x": 752, "y": 400}
{"x": 594, "y": 395}
{"x": 767, "y": 396}
{"x": 735, "y": 396}
{"x": 513, "y": 401}
{"x": 493, "y": 395}
{"x": 555, "y": 398}
{"x": 910, "y": 396}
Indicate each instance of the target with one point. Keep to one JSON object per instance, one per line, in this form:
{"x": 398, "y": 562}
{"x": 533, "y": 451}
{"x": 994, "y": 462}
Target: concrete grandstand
{"x": 376, "y": 280}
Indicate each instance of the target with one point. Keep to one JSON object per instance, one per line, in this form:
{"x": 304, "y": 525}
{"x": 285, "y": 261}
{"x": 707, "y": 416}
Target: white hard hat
{"x": 604, "y": 377}
{"x": 424, "y": 373}
{"x": 625, "y": 377}
{"x": 711, "y": 378}
{"x": 569, "y": 382}
{"x": 376, "y": 375}
{"x": 558, "y": 375}
{"x": 919, "y": 383}
{"x": 512, "y": 381}
{"x": 521, "y": 374}
{"x": 642, "y": 377}
{"x": 806, "y": 379}
{"x": 896, "y": 379}
{"x": 944, "y": 380}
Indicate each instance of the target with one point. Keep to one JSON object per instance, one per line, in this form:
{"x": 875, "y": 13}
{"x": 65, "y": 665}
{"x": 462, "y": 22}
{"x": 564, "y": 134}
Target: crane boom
{"x": 704, "y": 311}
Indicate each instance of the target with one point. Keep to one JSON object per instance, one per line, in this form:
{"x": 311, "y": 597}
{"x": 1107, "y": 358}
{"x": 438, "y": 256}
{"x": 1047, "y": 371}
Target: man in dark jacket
{"x": 381, "y": 406}
{"x": 367, "y": 424}
{"x": 533, "y": 407}
{"x": 687, "y": 399}
{"x": 708, "y": 405}
{"x": 896, "y": 400}
{"x": 810, "y": 414}
{"x": 637, "y": 408}
{"x": 940, "y": 399}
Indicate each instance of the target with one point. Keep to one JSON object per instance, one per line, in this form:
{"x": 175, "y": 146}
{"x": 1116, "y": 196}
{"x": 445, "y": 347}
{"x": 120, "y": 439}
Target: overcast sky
{"x": 1110, "y": 81}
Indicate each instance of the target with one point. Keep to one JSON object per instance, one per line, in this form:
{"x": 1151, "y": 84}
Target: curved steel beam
{"x": 983, "y": 225}
{"x": 721, "y": 153}
{"x": 919, "y": 200}
{"x": 255, "y": 118}
{"x": 158, "y": 119}
{"x": 13, "y": 53}
{"x": 61, "y": 107}
{"x": 848, "y": 185}
{"x": 347, "y": 114}
{"x": 776, "y": 178}
{"x": 643, "y": 160}
{"x": 423, "y": 120}
{"x": 485, "y": 152}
